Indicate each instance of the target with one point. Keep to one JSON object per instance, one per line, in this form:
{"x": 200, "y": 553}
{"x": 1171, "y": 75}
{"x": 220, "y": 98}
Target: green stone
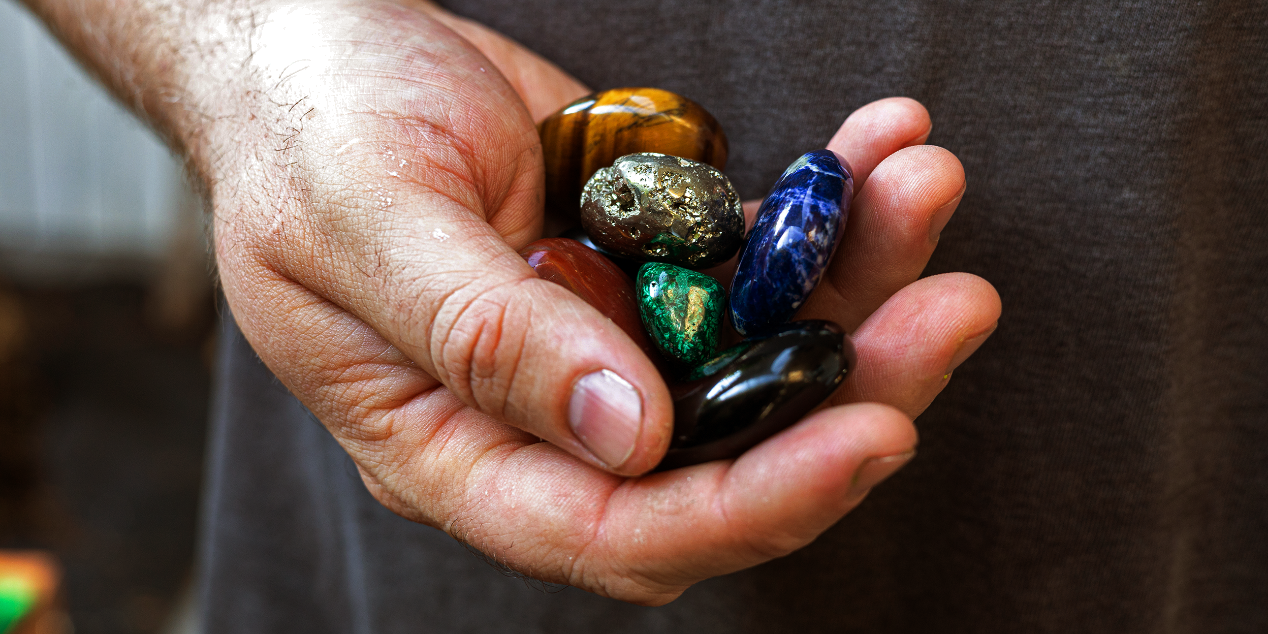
{"x": 681, "y": 310}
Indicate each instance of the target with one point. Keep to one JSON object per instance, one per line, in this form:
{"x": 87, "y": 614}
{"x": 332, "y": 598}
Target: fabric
{"x": 1101, "y": 464}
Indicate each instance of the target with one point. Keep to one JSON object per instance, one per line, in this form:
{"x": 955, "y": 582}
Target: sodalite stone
{"x": 791, "y": 242}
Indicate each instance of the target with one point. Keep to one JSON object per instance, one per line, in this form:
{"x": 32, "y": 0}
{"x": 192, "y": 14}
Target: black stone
{"x": 756, "y": 389}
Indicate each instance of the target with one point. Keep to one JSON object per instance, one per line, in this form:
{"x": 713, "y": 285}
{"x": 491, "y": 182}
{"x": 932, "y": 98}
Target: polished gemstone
{"x": 625, "y": 264}
{"x": 682, "y": 311}
{"x": 664, "y": 209}
{"x": 793, "y": 238}
{"x": 592, "y": 132}
{"x": 594, "y": 279}
{"x": 756, "y": 389}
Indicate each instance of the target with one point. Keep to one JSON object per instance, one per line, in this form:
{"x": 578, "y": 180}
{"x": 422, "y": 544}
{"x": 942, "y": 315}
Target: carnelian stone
{"x": 594, "y": 279}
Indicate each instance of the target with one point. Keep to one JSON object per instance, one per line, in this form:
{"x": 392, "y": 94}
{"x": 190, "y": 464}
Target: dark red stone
{"x": 594, "y": 279}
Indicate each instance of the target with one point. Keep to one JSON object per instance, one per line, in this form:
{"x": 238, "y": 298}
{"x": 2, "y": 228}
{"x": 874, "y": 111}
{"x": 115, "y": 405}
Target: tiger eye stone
{"x": 594, "y": 279}
{"x": 682, "y": 311}
{"x": 756, "y": 389}
{"x": 663, "y": 208}
{"x": 592, "y": 132}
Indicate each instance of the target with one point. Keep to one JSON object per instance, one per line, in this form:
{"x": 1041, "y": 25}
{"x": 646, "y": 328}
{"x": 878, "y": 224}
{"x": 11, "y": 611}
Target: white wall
{"x": 80, "y": 178}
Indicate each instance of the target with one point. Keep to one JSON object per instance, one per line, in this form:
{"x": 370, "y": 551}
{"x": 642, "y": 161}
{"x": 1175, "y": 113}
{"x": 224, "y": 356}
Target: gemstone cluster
{"x": 641, "y": 168}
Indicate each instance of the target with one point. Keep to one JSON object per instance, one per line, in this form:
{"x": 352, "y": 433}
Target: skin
{"x": 372, "y": 169}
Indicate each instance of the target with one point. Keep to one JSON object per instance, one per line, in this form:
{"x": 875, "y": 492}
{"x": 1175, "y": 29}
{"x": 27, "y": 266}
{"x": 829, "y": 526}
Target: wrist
{"x": 182, "y": 66}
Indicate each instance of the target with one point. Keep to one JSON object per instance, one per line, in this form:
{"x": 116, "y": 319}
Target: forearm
{"x": 181, "y": 65}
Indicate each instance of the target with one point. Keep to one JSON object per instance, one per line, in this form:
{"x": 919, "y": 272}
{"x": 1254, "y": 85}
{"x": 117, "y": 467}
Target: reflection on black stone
{"x": 764, "y": 385}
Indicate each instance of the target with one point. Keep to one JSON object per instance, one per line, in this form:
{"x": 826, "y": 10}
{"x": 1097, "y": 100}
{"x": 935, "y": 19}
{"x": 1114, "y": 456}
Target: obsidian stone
{"x": 791, "y": 242}
{"x": 755, "y": 389}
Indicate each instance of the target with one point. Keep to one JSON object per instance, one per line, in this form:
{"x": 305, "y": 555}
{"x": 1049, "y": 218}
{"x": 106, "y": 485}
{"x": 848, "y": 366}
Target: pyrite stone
{"x": 663, "y": 208}
{"x": 756, "y": 389}
{"x": 682, "y": 311}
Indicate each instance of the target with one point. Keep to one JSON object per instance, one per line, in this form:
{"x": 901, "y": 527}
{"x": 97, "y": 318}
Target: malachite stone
{"x": 681, "y": 310}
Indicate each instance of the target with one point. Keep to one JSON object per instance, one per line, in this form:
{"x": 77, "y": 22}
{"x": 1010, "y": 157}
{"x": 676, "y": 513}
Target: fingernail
{"x": 968, "y": 347}
{"x": 873, "y": 471}
{"x": 938, "y": 221}
{"x": 606, "y": 414}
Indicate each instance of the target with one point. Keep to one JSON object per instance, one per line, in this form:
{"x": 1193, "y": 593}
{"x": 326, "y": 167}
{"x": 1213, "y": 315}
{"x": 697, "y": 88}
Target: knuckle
{"x": 481, "y": 342}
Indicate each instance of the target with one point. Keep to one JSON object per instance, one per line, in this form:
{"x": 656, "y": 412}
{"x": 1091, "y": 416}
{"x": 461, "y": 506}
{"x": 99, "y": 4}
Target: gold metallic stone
{"x": 663, "y": 208}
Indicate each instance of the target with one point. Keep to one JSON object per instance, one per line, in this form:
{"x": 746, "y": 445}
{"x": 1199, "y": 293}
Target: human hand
{"x": 373, "y": 173}
{"x": 910, "y": 333}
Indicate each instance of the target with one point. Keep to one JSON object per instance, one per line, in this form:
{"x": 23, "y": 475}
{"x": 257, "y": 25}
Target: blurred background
{"x": 107, "y": 316}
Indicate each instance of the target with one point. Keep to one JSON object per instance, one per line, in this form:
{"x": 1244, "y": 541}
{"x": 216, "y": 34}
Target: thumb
{"x": 443, "y": 286}
{"x": 531, "y": 352}
{"x": 398, "y": 196}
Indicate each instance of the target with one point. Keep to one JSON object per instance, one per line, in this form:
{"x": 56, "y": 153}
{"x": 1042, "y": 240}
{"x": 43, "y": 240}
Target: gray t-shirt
{"x": 1100, "y": 465}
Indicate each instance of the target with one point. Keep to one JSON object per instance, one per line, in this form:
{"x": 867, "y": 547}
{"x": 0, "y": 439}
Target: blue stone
{"x": 791, "y": 242}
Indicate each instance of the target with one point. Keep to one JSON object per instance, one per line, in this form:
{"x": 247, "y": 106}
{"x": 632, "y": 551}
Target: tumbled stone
{"x": 594, "y": 279}
{"x": 662, "y": 208}
{"x": 630, "y": 267}
{"x": 592, "y": 132}
{"x": 793, "y": 238}
{"x": 755, "y": 389}
{"x": 682, "y": 311}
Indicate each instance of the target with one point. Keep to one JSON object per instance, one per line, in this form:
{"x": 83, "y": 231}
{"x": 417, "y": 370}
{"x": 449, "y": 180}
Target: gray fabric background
{"x": 1100, "y": 465}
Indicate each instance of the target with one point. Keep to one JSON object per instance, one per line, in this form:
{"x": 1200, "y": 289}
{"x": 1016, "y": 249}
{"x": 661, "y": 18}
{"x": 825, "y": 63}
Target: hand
{"x": 910, "y": 333}
{"x": 374, "y": 168}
